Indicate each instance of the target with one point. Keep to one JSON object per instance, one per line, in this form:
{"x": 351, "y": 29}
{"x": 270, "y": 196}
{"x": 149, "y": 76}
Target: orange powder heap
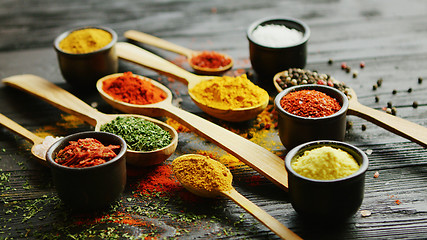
{"x": 132, "y": 89}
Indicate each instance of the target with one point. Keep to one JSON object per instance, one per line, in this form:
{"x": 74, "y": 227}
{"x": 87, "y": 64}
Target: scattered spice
{"x": 379, "y": 82}
{"x": 133, "y": 89}
{"x": 355, "y": 74}
{"x": 394, "y": 91}
{"x": 229, "y": 93}
{"x": 85, "y": 40}
{"x": 344, "y": 65}
{"x": 365, "y": 213}
{"x": 210, "y": 59}
{"x": 309, "y": 103}
{"x": 363, "y": 127}
{"x": 420, "y": 80}
{"x": 176, "y": 125}
{"x": 139, "y": 133}
{"x": 85, "y": 152}
{"x": 377, "y": 99}
{"x": 409, "y": 90}
{"x": 415, "y": 104}
{"x": 330, "y": 61}
{"x": 362, "y": 64}
{"x": 202, "y": 172}
{"x": 374, "y": 87}
{"x": 297, "y": 76}
{"x": 376, "y": 174}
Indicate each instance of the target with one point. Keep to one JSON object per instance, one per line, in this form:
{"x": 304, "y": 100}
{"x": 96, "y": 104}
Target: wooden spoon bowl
{"x": 69, "y": 103}
{"x": 140, "y": 56}
{"x": 399, "y": 126}
{"x": 163, "y": 44}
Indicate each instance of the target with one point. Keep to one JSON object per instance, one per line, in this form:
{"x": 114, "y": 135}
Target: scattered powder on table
{"x": 229, "y": 93}
{"x": 273, "y": 35}
{"x": 325, "y": 163}
{"x": 85, "y": 41}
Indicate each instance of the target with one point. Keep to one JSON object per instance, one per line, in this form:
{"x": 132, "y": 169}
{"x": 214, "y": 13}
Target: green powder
{"x": 139, "y": 134}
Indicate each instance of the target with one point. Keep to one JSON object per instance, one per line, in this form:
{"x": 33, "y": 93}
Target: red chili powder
{"x": 158, "y": 179}
{"x": 210, "y": 59}
{"x": 85, "y": 153}
{"x": 132, "y": 89}
{"x": 309, "y": 103}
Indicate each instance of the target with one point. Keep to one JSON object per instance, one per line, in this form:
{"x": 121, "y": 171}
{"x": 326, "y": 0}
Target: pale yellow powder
{"x": 325, "y": 163}
{"x": 229, "y": 93}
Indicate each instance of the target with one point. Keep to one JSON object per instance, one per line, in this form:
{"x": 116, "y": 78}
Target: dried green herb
{"x": 139, "y": 134}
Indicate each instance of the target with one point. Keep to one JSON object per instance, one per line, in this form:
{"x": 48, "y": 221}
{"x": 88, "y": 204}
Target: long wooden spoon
{"x": 273, "y": 224}
{"x": 138, "y": 55}
{"x": 23, "y": 132}
{"x": 399, "y": 126}
{"x": 67, "y": 102}
{"x": 190, "y": 54}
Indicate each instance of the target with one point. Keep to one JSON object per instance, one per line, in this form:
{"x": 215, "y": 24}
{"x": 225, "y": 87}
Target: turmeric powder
{"x": 202, "y": 173}
{"x": 228, "y": 93}
{"x": 85, "y": 40}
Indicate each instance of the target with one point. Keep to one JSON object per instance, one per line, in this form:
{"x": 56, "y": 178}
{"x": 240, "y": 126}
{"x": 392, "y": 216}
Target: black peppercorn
{"x": 420, "y": 80}
{"x": 379, "y": 82}
{"x": 415, "y": 104}
{"x": 389, "y": 104}
{"x": 394, "y": 91}
{"x": 374, "y": 87}
{"x": 330, "y": 61}
{"x": 409, "y": 90}
{"x": 393, "y": 111}
{"x": 377, "y": 99}
{"x": 363, "y": 127}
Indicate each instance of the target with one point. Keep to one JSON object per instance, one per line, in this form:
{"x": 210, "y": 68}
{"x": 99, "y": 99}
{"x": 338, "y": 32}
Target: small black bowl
{"x": 295, "y": 130}
{"x": 83, "y": 70}
{"x": 323, "y": 200}
{"x": 89, "y": 188}
{"x": 266, "y": 60}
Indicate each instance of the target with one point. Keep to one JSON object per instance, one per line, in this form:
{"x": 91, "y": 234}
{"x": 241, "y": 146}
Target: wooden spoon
{"x": 21, "y": 131}
{"x": 265, "y": 162}
{"x": 399, "y": 126}
{"x": 69, "y": 103}
{"x": 273, "y": 224}
{"x": 163, "y": 44}
{"x": 138, "y": 55}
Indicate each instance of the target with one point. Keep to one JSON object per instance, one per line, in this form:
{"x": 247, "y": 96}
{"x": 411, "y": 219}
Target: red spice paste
{"x": 210, "y": 59}
{"x": 85, "y": 152}
{"x": 309, "y": 103}
{"x": 132, "y": 89}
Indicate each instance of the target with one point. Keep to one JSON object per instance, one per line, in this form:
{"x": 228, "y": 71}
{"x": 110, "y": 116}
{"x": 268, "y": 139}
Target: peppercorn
{"x": 415, "y": 104}
{"x": 362, "y": 64}
{"x": 348, "y": 69}
{"x": 409, "y": 90}
{"x": 388, "y": 110}
{"x": 420, "y": 80}
{"x": 394, "y": 91}
{"x": 349, "y": 125}
{"x": 379, "y": 82}
{"x": 377, "y": 99}
{"x": 355, "y": 73}
{"x": 249, "y": 135}
{"x": 374, "y": 87}
{"x": 363, "y": 127}
{"x": 330, "y": 61}
{"x": 389, "y": 104}
{"x": 343, "y": 65}
{"x": 393, "y": 111}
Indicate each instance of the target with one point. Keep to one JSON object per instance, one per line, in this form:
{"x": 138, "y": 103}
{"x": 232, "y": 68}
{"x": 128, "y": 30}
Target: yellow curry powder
{"x": 229, "y": 93}
{"x": 325, "y": 163}
{"x": 85, "y": 40}
{"x": 202, "y": 172}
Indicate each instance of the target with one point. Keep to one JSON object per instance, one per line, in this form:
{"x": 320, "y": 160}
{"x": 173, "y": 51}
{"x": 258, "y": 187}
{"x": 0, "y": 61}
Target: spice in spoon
{"x": 138, "y": 133}
{"x": 210, "y": 59}
{"x": 229, "y": 93}
{"x": 202, "y": 173}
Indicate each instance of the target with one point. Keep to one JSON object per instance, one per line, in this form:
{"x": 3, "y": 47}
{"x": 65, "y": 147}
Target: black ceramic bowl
{"x": 295, "y": 130}
{"x": 83, "y": 70}
{"x": 327, "y": 199}
{"x": 266, "y": 60}
{"x": 93, "y": 187}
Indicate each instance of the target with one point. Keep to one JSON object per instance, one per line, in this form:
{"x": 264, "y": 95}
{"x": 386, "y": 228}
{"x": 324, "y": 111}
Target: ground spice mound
{"x": 229, "y": 93}
{"x": 85, "y": 41}
{"x": 202, "y": 172}
{"x": 309, "y": 103}
{"x": 132, "y": 89}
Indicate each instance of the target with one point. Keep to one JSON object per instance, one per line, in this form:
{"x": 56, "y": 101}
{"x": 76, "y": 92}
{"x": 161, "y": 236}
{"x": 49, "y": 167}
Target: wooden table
{"x": 388, "y": 35}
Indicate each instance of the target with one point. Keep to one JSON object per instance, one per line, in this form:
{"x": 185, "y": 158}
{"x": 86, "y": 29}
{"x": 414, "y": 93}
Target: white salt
{"x": 273, "y": 35}
{"x": 41, "y": 148}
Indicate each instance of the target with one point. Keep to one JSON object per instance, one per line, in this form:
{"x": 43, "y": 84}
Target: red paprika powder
{"x": 133, "y": 89}
{"x": 210, "y": 59}
{"x": 309, "y": 103}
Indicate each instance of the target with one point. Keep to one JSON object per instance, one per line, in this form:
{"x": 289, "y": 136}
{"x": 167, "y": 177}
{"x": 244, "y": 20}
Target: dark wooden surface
{"x": 388, "y": 35}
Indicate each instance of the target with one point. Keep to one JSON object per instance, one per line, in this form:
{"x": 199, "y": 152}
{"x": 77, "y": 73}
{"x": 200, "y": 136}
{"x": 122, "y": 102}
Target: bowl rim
{"x": 255, "y": 24}
{"x": 63, "y": 35}
{"x": 79, "y": 135}
{"x": 343, "y": 109}
{"x": 320, "y": 143}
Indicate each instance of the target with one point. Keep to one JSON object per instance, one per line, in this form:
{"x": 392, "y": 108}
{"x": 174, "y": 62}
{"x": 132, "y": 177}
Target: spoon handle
{"x": 140, "y": 56}
{"x": 21, "y": 131}
{"x": 399, "y": 126}
{"x": 266, "y": 219}
{"x": 260, "y": 159}
{"x": 157, "y": 42}
{"x": 54, "y": 95}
